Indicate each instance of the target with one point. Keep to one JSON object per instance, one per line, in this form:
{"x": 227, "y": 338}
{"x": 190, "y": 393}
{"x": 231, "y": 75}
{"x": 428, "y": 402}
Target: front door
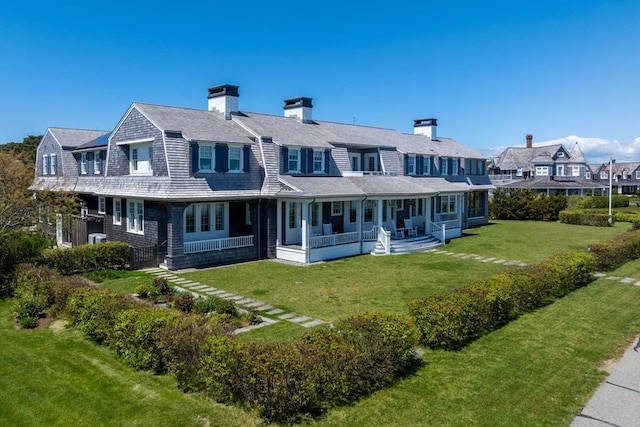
{"x": 293, "y": 228}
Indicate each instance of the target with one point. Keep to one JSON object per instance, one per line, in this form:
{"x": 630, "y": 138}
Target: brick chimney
{"x": 224, "y": 99}
{"x": 426, "y": 127}
{"x": 300, "y": 108}
{"x": 529, "y": 140}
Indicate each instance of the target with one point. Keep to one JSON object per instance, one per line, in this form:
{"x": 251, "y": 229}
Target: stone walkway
{"x": 201, "y": 290}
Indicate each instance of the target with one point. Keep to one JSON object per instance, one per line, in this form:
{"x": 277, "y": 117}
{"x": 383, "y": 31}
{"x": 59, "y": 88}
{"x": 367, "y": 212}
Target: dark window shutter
{"x": 195, "y": 157}
{"x": 406, "y": 164}
{"x": 222, "y": 158}
{"x": 284, "y": 159}
{"x": 303, "y": 160}
{"x": 327, "y": 160}
{"x": 419, "y": 165}
{"x": 310, "y": 161}
{"x": 433, "y": 165}
{"x": 246, "y": 153}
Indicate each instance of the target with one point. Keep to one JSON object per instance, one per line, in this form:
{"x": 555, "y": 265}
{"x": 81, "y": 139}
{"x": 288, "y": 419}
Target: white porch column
{"x": 379, "y": 205}
{"x": 305, "y": 225}
{"x": 278, "y": 223}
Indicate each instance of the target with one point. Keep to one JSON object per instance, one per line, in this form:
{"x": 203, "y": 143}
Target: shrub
{"x": 597, "y": 219}
{"x": 135, "y": 337}
{"x": 615, "y": 252}
{"x": 17, "y": 248}
{"x": 84, "y": 258}
{"x": 142, "y": 291}
{"x": 447, "y": 320}
{"x": 28, "y": 322}
{"x": 523, "y": 204}
{"x": 183, "y": 301}
{"x": 94, "y": 311}
{"x": 635, "y": 225}
{"x": 205, "y": 305}
{"x": 626, "y": 217}
{"x": 223, "y": 306}
{"x": 597, "y": 202}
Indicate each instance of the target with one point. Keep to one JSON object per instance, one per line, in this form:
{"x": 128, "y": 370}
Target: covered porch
{"x": 322, "y": 229}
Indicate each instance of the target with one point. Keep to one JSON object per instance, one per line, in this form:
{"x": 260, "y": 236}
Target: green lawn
{"x": 538, "y": 370}
{"x": 55, "y": 377}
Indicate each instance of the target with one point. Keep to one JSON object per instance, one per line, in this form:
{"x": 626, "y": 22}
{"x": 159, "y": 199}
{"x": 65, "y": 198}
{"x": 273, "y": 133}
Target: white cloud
{"x": 596, "y": 150}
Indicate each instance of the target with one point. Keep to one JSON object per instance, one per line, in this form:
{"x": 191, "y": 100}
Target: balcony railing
{"x": 218, "y": 244}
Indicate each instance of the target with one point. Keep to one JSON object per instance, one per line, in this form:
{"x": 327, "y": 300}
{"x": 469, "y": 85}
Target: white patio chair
{"x": 327, "y": 229}
{"x": 412, "y": 230}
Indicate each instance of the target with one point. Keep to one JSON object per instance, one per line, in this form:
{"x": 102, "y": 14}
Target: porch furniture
{"x": 398, "y": 233}
{"x": 327, "y": 229}
{"x": 412, "y": 230}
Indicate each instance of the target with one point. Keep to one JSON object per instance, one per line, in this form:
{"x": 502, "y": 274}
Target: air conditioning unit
{"x": 100, "y": 237}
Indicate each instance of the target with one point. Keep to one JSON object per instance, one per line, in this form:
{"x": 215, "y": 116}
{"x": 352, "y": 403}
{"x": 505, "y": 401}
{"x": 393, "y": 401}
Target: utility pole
{"x": 611, "y": 162}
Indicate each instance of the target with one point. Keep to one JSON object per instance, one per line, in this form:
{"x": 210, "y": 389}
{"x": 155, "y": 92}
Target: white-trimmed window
{"x": 542, "y": 171}
{"x": 519, "y": 172}
{"x": 603, "y": 174}
{"x": 140, "y": 159}
{"x": 560, "y": 170}
{"x": 354, "y": 159}
{"x": 587, "y": 175}
{"x": 97, "y": 163}
{"x": 54, "y": 164}
{"x": 411, "y": 164}
{"x": 447, "y": 208}
{"x": 368, "y": 211}
{"x": 353, "y": 212}
{"x": 293, "y": 160}
{"x": 219, "y": 216}
{"x": 206, "y": 158}
{"x": 371, "y": 162}
{"x": 102, "y": 205}
{"x": 336, "y": 208}
{"x": 426, "y": 166}
{"x": 117, "y": 211}
{"x": 560, "y": 153}
{"x": 135, "y": 216}
{"x": 575, "y": 171}
{"x": 190, "y": 219}
{"x": 235, "y": 159}
{"x": 315, "y": 214}
{"x": 455, "y": 166}
{"x": 318, "y": 161}
{"x": 444, "y": 166}
{"x": 45, "y": 164}
{"x": 638, "y": 174}
{"x": 83, "y": 163}
{"x": 205, "y": 217}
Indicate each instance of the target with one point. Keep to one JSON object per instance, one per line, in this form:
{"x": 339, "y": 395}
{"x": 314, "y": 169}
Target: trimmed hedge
{"x": 615, "y": 252}
{"x": 597, "y": 202}
{"x": 452, "y": 319}
{"x": 597, "y": 219}
{"x": 626, "y": 217}
{"x": 84, "y": 258}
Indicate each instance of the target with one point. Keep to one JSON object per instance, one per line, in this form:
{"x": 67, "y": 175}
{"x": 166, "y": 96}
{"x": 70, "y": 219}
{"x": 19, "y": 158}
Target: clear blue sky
{"x": 490, "y": 71}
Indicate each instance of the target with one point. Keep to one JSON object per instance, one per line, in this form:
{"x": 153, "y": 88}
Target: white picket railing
{"x": 370, "y": 235}
{"x": 334, "y": 239}
{"x": 384, "y": 237}
{"x": 218, "y": 244}
{"x": 438, "y": 231}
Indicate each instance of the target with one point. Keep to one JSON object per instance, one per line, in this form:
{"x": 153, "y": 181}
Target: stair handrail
{"x": 384, "y": 237}
{"x": 438, "y": 231}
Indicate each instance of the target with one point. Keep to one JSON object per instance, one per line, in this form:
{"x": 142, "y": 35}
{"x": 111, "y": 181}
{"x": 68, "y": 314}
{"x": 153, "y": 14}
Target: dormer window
{"x": 426, "y": 166}
{"x": 235, "y": 159}
{"x": 140, "y": 156}
{"x": 455, "y": 166}
{"x": 206, "y": 158}
{"x": 560, "y": 154}
{"x": 318, "y": 161}
{"x": 293, "y": 161}
{"x": 83, "y": 164}
{"x": 603, "y": 175}
{"x": 411, "y": 164}
{"x": 444, "y": 166}
{"x": 97, "y": 163}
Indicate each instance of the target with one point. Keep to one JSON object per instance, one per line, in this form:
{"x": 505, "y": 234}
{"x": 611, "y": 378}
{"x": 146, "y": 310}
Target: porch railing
{"x": 334, "y": 239}
{"x": 437, "y": 230}
{"x": 370, "y": 235}
{"x": 384, "y": 237}
{"x": 218, "y": 244}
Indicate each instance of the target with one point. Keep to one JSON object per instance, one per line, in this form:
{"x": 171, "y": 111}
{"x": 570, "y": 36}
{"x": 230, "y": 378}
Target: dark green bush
{"x": 223, "y": 306}
{"x": 597, "y": 202}
{"x": 597, "y": 219}
{"x": 183, "y": 301}
{"x": 84, "y": 258}
{"x": 635, "y": 224}
{"x": 135, "y": 337}
{"x": 524, "y": 204}
{"x": 447, "y": 320}
{"x": 142, "y": 291}
{"x": 95, "y": 311}
{"x": 17, "y": 248}
{"x": 28, "y": 322}
{"x": 615, "y": 252}
{"x": 205, "y": 305}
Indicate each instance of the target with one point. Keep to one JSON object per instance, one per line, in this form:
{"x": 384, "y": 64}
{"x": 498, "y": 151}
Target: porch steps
{"x": 405, "y": 246}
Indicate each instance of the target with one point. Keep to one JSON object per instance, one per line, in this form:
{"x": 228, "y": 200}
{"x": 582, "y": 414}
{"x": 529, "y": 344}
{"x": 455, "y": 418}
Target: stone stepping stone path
{"x": 197, "y": 289}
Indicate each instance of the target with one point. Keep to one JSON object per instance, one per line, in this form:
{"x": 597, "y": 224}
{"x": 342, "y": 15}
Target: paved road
{"x": 617, "y": 400}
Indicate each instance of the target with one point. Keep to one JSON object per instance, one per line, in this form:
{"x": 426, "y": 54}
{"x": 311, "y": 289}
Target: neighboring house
{"x": 625, "y": 178}
{"x": 549, "y": 169}
{"x": 219, "y": 186}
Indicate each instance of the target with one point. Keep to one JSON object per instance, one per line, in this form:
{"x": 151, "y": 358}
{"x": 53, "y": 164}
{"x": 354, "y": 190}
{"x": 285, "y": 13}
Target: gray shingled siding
{"x": 391, "y": 161}
{"x": 119, "y": 232}
{"x": 179, "y": 157}
{"x": 226, "y": 181}
{"x": 136, "y": 126}
{"x": 211, "y": 259}
{"x": 49, "y": 146}
{"x": 341, "y": 160}
{"x": 268, "y": 228}
{"x": 272, "y": 163}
